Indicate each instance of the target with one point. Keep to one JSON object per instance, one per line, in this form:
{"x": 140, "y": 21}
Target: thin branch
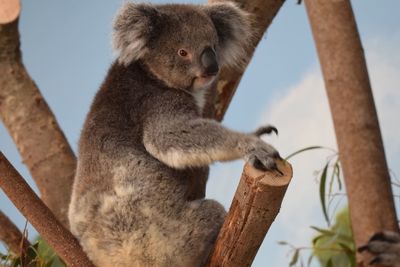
{"x": 254, "y": 207}
{"x": 12, "y": 236}
{"x": 33, "y": 127}
{"x": 30, "y": 205}
{"x": 354, "y": 115}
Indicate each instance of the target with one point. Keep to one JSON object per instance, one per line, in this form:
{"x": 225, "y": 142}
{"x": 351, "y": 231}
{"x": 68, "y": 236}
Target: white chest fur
{"x": 200, "y": 98}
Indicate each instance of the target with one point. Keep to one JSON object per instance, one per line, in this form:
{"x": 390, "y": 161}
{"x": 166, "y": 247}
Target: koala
{"x": 385, "y": 246}
{"x": 145, "y": 147}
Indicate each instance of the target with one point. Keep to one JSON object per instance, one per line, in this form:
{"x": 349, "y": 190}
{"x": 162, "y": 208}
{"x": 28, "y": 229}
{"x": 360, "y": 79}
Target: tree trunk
{"x": 356, "y": 124}
{"x": 30, "y": 205}
{"x": 256, "y": 203}
{"x": 33, "y": 127}
{"x": 263, "y": 12}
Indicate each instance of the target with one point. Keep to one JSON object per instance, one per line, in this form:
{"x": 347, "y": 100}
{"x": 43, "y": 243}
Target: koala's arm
{"x": 194, "y": 142}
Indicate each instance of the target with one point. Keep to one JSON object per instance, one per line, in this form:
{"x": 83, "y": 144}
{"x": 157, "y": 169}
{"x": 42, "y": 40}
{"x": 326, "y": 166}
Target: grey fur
{"x": 138, "y": 197}
{"x": 385, "y": 246}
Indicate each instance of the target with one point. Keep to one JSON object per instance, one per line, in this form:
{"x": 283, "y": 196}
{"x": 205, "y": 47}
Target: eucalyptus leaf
{"x": 295, "y": 257}
{"x": 305, "y": 149}
{"x": 322, "y": 192}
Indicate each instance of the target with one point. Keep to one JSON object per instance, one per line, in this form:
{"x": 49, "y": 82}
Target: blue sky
{"x": 67, "y": 50}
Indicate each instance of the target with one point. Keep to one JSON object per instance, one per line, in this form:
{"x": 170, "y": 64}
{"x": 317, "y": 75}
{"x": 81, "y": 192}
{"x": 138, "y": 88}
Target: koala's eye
{"x": 182, "y": 53}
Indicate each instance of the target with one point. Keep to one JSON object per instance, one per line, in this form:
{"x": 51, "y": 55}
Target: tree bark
{"x": 354, "y": 115}
{"x": 49, "y": 228}
{"x": 33, "y": 127}
{"x": 263, "y": 12}
{"x": 9, "y": 10}
{"x": 254, "y": 207}
{"x": 12, "y": 236}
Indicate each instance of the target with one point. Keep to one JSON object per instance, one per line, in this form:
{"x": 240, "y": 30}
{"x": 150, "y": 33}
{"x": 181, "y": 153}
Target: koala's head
{"x": 183, "y": 45}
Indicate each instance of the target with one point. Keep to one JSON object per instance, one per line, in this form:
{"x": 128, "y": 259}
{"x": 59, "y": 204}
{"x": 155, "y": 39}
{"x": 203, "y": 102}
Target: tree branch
{"x": 12, "y": 236}
{"x": 263, "y": 12}
{"x": 33, "y": 127}
{"x": 356, "y": 123}
{"x": 55, "y": 234}
{"x": 254, "y": 207}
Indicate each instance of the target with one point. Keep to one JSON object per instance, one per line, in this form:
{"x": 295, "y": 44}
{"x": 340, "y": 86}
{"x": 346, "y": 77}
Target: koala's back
{"x": 129, "y": 209}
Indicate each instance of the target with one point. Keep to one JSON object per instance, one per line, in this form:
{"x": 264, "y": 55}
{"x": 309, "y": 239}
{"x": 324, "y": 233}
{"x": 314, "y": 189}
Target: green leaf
{"x": 283, "y": 243}
{"x": 325, "y": 232}
{"x": 322, "y": 192}
{"x": 310, "y": 258}
{"x": 49, "y": 263}
{"x": 346, "y": 248}
{"x": 332, "y": 179}
{"x": 329, "y": 263}
{"x": 31, "y": 253}
{"x": 315, "y": 239}
{"x": 350, "y": 253}
{"x": 294, "y": 258}
{"x": 331, "y": 233}
{"x": 16, "y": 262}
{"x": 305, "y": 149}
{"x": 337, "y": 171}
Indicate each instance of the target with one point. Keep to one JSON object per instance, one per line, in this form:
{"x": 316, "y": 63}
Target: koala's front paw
{"x": 386, "y": 248}
{"x": 262, "y": 155}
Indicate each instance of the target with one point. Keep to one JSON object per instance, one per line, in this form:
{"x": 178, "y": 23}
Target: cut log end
{"x": 9, "y": 10}
{"x": 270, "y": 178}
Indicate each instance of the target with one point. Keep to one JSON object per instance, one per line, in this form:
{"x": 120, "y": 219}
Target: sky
{"x": 67, "y": 50}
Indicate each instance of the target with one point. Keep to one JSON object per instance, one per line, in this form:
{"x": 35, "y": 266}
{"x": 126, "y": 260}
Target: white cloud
{"x": 303, "y": 119}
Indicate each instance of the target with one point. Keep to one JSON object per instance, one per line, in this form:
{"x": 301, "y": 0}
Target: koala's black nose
{"x": 209, "y": 62}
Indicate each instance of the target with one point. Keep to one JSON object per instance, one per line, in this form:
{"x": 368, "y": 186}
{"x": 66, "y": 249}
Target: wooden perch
{"x": 354, "y": 115}
{"x": 12, "y": 236}
{"x": 254, "y": 207}
{"x": 9, "y": 10}
{"x": 30, "y": 205}
{"x": 33, "y": 127}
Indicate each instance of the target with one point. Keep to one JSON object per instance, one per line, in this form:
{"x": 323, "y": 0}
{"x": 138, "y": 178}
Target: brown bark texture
{"x": 33, "y": 127}
{"x": 12, "y": 236}
{"x": 262, "y": 12}
{"x": 355, "y": 119}
{"x": 40, "y": 216}
{"x": 9, "y": 10}
{"x": 256, "y": 203}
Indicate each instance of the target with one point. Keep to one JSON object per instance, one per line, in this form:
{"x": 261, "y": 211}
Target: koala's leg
{"x": 202, "y": 220}
{"x": 183, "y": 143}
{"x": 386, "y": 248}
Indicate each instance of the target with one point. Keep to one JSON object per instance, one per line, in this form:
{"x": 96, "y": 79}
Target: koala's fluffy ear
{"x": 234, "y": 32}
{"x": 134, "y": 26}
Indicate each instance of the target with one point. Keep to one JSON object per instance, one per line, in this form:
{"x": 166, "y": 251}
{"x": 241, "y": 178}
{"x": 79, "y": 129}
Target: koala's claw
{"x": 387, "y": 236}
{"x": 264, "y": 163}
{"x": 266, "y": 130}
{"x": 385, "y": 246}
